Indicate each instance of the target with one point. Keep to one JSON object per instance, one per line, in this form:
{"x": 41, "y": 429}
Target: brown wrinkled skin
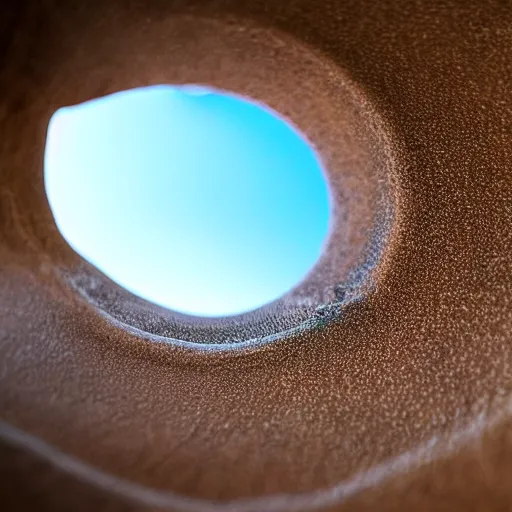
{"x": 403, "y": 402}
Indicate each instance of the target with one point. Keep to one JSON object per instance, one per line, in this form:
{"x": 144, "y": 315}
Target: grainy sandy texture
{"x": 400, "y": 402}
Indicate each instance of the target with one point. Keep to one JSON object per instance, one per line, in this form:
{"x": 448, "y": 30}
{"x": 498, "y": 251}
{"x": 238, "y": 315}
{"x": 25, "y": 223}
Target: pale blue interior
{"x": 193, "y": 199}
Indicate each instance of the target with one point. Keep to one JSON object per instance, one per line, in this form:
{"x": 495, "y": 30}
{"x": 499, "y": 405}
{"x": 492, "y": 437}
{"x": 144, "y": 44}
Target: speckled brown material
{"x": 403, "y": 400}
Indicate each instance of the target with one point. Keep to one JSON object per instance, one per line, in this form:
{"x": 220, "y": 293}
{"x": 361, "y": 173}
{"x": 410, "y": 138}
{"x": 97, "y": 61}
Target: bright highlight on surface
{"x": 198, "y": 201}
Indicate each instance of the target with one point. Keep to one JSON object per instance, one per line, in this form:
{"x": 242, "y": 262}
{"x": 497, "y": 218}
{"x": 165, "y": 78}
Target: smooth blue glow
{"x": 196, "y": 200}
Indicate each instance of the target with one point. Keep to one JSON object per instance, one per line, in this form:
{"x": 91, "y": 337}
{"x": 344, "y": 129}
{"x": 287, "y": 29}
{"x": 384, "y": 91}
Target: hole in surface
{"x": 197, "y": 200}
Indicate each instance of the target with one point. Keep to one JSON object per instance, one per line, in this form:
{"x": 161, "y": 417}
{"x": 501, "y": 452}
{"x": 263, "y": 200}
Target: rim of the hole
{"x": 340, "y": 86}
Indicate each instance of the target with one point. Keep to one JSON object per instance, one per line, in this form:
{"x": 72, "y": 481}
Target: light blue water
{"x": 198, "y": 201}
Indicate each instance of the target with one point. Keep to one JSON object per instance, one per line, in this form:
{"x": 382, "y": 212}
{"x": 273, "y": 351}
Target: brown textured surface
{"x": 402, "y": 402}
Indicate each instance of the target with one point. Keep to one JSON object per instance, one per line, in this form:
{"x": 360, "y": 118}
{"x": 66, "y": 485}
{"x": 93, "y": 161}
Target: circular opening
{"x": 194, "y": 199}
